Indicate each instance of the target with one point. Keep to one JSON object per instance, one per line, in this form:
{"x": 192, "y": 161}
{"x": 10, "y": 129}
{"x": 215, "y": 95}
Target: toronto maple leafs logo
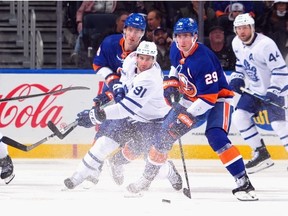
{"x": 251, "y": 71}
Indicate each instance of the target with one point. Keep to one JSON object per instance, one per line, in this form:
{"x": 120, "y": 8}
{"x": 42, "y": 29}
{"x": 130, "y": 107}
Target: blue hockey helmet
{"x": 136, "y": 20}
{"x": 186, "y": 25}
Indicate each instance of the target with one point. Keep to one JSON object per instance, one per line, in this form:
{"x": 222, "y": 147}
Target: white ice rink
{"x": 37, "y": 189}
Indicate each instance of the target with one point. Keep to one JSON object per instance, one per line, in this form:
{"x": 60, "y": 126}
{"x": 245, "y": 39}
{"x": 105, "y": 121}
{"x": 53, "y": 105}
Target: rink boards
{"x": 26, "y": 120}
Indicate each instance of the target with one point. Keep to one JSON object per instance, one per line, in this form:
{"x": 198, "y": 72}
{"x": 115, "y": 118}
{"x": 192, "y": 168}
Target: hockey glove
{"x": 112, "y": 79}
{"x": 97, "y": 115}
{"x": 236, "y": 85}
{"x": 90, "y": 118}
{"x": 103, "y": 98}
{"x": 182, "y": 125}
{"x": 118, "y": 92}
{"x": 271, "y": 97}
{"x": 84, "y": 119}
{"x": 171, "y": 90}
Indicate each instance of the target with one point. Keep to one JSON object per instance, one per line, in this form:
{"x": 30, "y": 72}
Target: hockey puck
{"x": 166, "y": 201}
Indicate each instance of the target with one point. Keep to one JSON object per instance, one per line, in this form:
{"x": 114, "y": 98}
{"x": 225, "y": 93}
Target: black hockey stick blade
{"x": 187, "y": 192}
{"x": 14, "y": 143}
{"x": 47, "y": 93}
{"x": 67, "y": 129}
{"x": 23, "y": 147}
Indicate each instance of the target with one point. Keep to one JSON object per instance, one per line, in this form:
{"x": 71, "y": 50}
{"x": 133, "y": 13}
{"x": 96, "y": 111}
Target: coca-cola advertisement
{"x": 27, "y": 105}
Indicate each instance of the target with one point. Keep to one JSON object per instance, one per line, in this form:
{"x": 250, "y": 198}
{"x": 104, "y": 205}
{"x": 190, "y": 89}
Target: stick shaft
{"x": 184, "y": 167}
{"x": 259, "y": 97}
{"x": 47, "y": 93}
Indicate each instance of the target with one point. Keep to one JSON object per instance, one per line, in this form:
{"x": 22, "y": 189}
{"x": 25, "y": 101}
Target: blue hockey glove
{"x": 236, "y": 84}
{"x": 171, "y": 89}
{"x": 271, "y": 97}
{"x": 84, "y": 119}
{"x": 118, "y": 92}
{"x": 90, "y": 118}
{"x": 103, "y": 98}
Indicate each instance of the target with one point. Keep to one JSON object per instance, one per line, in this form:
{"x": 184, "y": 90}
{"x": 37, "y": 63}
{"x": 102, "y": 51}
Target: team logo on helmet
{"x": 135, "y": 20}
{"x": 186, "y": 25}
{"x": 147, "y": 48}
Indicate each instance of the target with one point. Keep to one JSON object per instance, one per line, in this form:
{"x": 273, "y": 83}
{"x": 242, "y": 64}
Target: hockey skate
{"x": 174, "y": 177}
{"x": 245, "y": 190}
{"x": 141, "y": 185}
{"x": 7, "y": 169}
{"x": 116, "y": 171}
{"x": 76, "y": 179}
{"x": 261, "y": 160}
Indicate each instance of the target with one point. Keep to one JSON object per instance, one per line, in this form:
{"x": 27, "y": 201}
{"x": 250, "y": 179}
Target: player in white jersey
{"x": 6, "y": 164}
{"x": 261, "y": 68}
{"x": 134, "y": 121}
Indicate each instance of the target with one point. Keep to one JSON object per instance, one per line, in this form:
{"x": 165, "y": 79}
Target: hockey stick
{"x": 58, "y": 133}
{"x": 186, "y": 191}
{"x": 47, "y": 93}
{"x": 71, "y": 126}
{"x": 23, "y": 147}
{"x": 261, "y": 98}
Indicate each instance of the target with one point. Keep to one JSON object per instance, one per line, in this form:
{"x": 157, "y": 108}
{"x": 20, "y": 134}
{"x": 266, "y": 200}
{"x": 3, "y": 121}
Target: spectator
{"x": 222, "y": 7}
{"x": 275, "y": 19}
{"x": 119, "y": 25}
{"x": 154, "y": 20}
{"x": 226, "y": 20}
{"x": 281, "y": 39}
{"x": 224, "y": 52}
{"x": 192, "y": 11}
{"x": 163, "y": 42}
{"x": 89, "y": 7}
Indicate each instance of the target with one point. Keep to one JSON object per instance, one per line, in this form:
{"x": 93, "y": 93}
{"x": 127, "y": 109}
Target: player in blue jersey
{"x": 206, "y": 97}
{"x": 112, "y": 52}
{"x": 261, "y": 67}
{"x": 6, "y": 164}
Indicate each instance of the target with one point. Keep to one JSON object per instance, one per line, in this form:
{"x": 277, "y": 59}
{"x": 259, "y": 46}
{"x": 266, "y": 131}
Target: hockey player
{"x": 206, "y": 96}
{"x": 133, "y": 122}
{"x": 114, "y": 49}
{"x": 6, "y": 164}
{"x": 261, "y": 66}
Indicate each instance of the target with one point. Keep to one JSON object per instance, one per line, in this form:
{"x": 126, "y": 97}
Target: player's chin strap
{"x": 261, "y": 98}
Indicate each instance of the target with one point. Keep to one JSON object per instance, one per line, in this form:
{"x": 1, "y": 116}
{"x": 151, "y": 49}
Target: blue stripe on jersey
{"x": 134, "y": 102}
{"x": 279, "y": 68}
{"x": 126, "y": 108}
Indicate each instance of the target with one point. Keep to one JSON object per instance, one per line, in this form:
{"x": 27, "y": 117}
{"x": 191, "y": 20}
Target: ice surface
{"x": 37, "y": 189}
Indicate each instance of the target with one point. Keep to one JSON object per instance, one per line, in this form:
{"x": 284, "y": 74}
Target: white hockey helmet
{"x": 147, "y": 48}
{"x": 244, "y": 19}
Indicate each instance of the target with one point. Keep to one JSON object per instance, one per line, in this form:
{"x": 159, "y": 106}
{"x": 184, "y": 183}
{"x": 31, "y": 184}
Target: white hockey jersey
{"x": 262, "y": 65}
{"x": 144, "y": 99}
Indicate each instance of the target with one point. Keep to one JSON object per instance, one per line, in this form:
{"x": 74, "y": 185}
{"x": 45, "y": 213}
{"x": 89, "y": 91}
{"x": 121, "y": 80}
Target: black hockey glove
{"x": 171, "y": 90}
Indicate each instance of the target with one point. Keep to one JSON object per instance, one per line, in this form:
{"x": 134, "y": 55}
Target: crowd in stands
{"x": 271, "y": 19}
